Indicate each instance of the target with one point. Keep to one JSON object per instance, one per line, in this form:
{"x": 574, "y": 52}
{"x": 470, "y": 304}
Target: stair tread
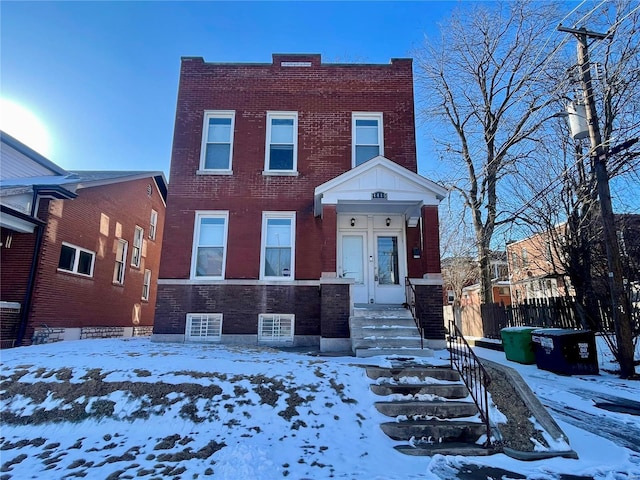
{"x": 446, "y": 448}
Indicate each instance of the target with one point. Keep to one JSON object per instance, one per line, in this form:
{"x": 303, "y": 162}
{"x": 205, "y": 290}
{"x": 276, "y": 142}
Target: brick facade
{"x": 325, "y": 98}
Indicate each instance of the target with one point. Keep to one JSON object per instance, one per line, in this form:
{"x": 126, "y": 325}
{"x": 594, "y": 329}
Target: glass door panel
{"x": 388, "y": 272}
{"x": 353, "y": 258}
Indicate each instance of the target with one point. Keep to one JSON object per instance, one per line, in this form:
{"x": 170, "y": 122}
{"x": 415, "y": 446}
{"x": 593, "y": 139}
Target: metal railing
{"x": 410, "y": 299}
{"x": 472, "y": 372}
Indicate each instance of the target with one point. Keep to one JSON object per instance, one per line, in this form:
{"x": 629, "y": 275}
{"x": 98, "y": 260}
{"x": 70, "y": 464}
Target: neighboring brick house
{"x": 80, "y": 250}
{"x": 536, "y": 267}
{"x": 294, "y": 195}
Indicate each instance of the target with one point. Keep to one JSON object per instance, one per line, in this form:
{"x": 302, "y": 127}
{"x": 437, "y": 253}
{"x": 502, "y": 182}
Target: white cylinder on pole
{"x": 578, "y": 120}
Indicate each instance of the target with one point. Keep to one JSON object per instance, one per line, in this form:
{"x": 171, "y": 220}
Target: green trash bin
{"x": 517, "y": 344}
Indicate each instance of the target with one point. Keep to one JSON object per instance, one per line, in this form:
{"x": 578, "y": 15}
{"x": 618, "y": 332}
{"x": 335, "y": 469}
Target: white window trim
{"x": 199, "y": 214}
{"x": 146, "y": 285}
{"x": 137, "y": 260}
{"x": 153, "y": 224}
{"x": 203, "y": 147}
{"x": 267, "y": 150}
{"x": 125, "y": 246}
{"x": 278, "y": 215}
{"x": 210, "y": 317}
{"x": 366, "y": 116}
{"x": 76, "y": 260}
{"x": 277, "y": 317}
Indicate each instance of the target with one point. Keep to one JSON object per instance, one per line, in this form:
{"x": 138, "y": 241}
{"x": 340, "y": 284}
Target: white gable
{"x": 401, "y": 190}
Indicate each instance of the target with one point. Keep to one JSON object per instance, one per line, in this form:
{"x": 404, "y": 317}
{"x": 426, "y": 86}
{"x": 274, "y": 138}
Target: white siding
{"x": 17, "y": 165}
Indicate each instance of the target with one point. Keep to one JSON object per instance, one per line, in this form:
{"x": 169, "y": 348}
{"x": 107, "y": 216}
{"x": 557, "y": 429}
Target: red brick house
{"x": 294, "y": 196}
{"x": 80, "y": 250}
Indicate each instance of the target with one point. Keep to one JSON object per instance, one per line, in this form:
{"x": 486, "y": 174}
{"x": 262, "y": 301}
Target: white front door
{"x": 373, "y": 254}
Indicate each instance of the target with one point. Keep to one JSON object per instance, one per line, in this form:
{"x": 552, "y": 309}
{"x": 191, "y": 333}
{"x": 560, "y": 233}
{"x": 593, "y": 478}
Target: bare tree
{"x": 559, "y": 187}
{"x": 485, "y": 86}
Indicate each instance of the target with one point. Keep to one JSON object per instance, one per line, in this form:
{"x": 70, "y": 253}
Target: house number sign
{"x": 378, "y": 195}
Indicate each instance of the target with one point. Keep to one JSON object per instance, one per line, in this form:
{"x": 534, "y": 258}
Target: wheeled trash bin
{"x": 517, "y": 344}
{"x": 565, "y": 351}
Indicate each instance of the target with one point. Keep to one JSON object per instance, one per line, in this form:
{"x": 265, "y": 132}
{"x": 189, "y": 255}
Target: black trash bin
{"x": 565, "y": 351}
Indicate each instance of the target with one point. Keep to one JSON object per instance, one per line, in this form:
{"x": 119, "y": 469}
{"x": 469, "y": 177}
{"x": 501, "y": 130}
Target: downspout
{"x": 26, "y": 304}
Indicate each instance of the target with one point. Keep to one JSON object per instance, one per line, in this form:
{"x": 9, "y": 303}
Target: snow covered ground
{"x": 129, "y": 408}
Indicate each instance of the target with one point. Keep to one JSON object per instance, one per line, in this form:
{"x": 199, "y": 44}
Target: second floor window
{"x": 136, "y": 254}
{"x": 282, "y": 142}
{"x": 121, "y": 259}
{"x": 217, "y": 141}
{"x": 367, "y": 137}
{"x": 153, "y": 224}
{"x": 76, "y": 260}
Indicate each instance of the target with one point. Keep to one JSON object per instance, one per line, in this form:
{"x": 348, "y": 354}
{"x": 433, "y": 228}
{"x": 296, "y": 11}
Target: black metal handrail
{"x": 472, "y": 372}
{"x": 410, "y": 301}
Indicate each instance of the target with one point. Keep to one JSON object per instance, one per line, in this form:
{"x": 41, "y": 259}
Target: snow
{"x": 230, "y": 412}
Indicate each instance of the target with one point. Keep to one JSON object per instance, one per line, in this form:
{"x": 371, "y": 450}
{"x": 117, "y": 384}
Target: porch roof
{"x": 379, "y": 186}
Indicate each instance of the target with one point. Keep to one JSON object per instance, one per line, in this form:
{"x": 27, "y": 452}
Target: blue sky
{"x": 103, "y": 76}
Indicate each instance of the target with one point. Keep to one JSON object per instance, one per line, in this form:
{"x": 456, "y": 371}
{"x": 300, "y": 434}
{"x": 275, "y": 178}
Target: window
{"x": 278, "y": 237}
{"x": 209, "y": 242}
{"x": 217, "y": 141}
{"x": 136, "y": 253}
{"x": 525, "y": 258}
{"x": 282, "y": 142}
{"x": 121, "y": 259}
{"x": 450, "y": 297}
{"x": 204, "y": 327}
{"x": 621, "y": 243}
{"x": 153, "y": 224}
{"x": 514, "y": 260}
{"x": 76, "y": 260}
{"x": 367, "y": 137}
{"x": 275, "y": 327}
{"x": 146, "y": 285}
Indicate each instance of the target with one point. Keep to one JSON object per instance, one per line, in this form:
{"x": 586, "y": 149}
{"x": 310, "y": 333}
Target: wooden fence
{"x": 544, "y": 313}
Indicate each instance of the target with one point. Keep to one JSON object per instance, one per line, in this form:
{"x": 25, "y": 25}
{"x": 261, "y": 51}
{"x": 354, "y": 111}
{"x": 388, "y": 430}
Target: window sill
{"x": 214, "y": 172}
{"x": 116, "y": 284}
{"x": 75, "y": 274}
{"x": 279, "y": 173}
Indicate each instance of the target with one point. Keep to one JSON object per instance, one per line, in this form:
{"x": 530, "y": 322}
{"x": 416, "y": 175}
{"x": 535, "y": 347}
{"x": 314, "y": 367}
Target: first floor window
{"x": 210, "y": 239}
{"x": 278, "y": 237}
{"x": 146, "y": 285}
{"x": 275, "y": 327}
{"x": 204, "y": 327}
{"x": 76, "y": 260}
{"x": 121, "y": 259}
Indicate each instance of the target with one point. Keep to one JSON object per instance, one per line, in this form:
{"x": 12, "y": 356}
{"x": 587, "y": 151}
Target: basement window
{"x": 204, "y": 327}
{"x": 275, "y": 327}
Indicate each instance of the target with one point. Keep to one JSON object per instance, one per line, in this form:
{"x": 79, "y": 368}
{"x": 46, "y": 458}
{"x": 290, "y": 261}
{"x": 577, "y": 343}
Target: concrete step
{"x": 385, "y": 342}
{"x": 420, "y": 372}
{"x": 381, "y": 311}
{"x": 439, "y": 409}
{"x": 387, "y": 352}
{"x": 453, "y": 448}
{"x": 443, "y": 390}
{"x": 435, "y": 430}
{"x": 384, "y": 330}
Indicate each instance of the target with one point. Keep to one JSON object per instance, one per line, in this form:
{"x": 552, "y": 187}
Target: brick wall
{"x": 324, "y": 97}
{"x": 94, "y": 221}
{"x": 335, "y": 309}
{"x": 429, "y": 302}
{"x": 240, "y": 305}
{"x": 15, "y": 263}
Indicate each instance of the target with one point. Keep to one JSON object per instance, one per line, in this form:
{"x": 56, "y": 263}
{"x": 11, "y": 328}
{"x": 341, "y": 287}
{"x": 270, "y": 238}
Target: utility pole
{"x": 620, "y": 304}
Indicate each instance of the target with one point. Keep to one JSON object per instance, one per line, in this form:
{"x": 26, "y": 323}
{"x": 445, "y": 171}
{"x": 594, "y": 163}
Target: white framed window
{"x": 121, "y": 260}
{"x": 368, "y": 138}
{"x": 136, "y": 252}
{"x": 275, "y": 327}
{"x": 204, "y": 327}
{"x": 282, "y": 142}
{"x": 450, "y": 297}
{"x": 76, "y": 260}
{"x": 277, "y": 259}
{"x": 217, "y": 141}
{"x": 146, "y": 285}
{"x": 153, "y": 224}
{"x": 525, "y": 258}
{"x": 209, "y": 245}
